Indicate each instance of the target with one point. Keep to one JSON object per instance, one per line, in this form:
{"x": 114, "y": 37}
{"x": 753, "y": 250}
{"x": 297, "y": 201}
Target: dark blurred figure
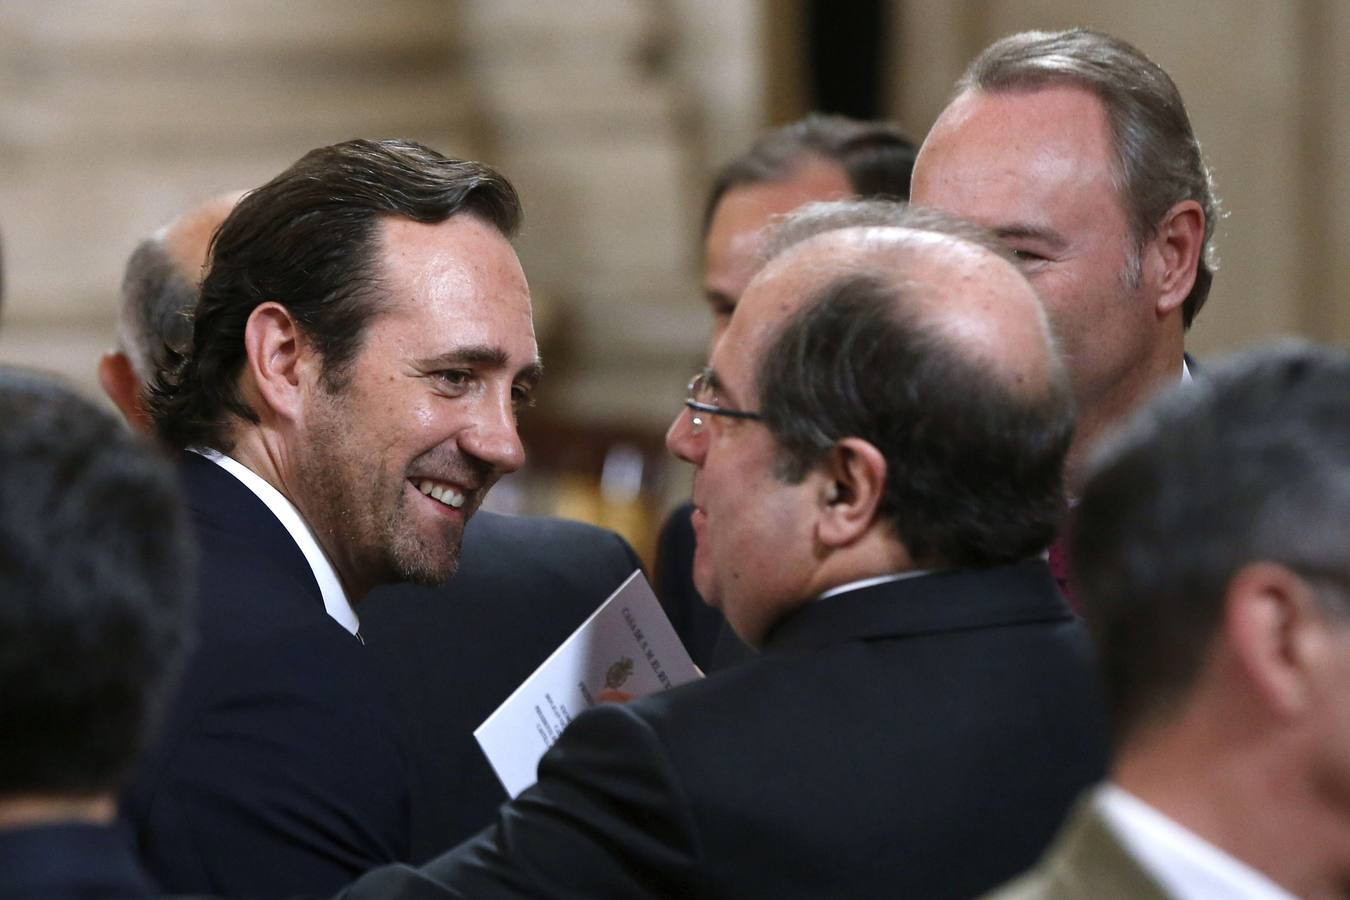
{"x": 816, "y": 158}
{"x": 1212, "y": 550}
{"x": 94, "y": 620}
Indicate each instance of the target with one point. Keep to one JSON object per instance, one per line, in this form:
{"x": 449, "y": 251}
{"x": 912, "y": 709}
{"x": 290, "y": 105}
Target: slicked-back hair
{"x": 155, "y": 318}
{"x": 876, "y": 157}
{"x": 94, "y": 576}
{"x": 974, "y": 467}
{"x": 1249, "y": 464}
{"x": 1157, "y": 157}
{"x": 309, "y": 240}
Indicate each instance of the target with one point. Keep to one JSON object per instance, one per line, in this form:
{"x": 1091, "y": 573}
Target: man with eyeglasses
{"x": 879, "y": 442}
{"x": 815, "y": 158}
{"x": 1212, "y": 550}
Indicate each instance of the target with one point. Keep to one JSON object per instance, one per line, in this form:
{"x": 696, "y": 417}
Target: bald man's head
{"x": 159, "y": 291}
{"x": 914, "y": 332}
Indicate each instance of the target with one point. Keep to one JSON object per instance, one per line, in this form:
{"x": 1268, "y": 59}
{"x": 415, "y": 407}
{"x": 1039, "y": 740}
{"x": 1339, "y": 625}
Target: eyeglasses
{"x": 703, "y": 401}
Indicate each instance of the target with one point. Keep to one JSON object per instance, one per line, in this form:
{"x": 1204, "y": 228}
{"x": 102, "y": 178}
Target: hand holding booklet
{"x": 626, "y": 645}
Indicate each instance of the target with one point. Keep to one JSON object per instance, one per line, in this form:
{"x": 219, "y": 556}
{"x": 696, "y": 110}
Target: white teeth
{"x": 446, "y": 495}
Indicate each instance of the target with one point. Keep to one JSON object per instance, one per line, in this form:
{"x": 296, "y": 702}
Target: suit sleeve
{"x": 607, "y": 818}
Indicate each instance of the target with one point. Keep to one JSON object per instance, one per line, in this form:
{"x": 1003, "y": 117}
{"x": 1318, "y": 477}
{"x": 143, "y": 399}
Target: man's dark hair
{"x": 1158, "y": 159}
{"x": 876, "y": 157}
{"x": 974, "y": 466}
{"x": 155, "y": 318}
{"x": 1250, "y": 463}
{"x": 94, "y": 578}
{"x": 309, "y": 240}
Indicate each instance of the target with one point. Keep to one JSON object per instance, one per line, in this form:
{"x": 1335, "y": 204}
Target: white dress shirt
{"x": 869, "y": 582}
{"x": 334, "y": 597}
{"x": 1184, "y": 864}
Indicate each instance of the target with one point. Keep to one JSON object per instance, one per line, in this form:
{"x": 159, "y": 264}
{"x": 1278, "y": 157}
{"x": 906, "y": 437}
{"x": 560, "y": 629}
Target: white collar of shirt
{"x": 1184, "y": 864}
{"x": 1185, "y": 371}
{"x": 334, "y": 597}
{"x": 869, "y": 582}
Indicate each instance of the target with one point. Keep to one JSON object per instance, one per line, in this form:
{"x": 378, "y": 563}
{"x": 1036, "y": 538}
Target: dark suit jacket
{"x": 705, "y": 633}
{"x": 920, "y": 738}
{"x": 281, "y": 768}
{"x": 452, "y": 654}
{"x": 1086, "y": 862}
{"x": 69, "y": 862}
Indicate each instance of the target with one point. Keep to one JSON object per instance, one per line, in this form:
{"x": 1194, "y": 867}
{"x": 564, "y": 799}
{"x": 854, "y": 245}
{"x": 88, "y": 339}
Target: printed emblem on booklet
{"x": 627, "y": 643}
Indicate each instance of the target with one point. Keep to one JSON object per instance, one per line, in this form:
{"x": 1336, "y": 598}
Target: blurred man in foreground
{"x": 814, "y": 159}
{"x": 1213, "y": 554}
{"x": 94, "y": 620}
{"x": 879, "y": 443}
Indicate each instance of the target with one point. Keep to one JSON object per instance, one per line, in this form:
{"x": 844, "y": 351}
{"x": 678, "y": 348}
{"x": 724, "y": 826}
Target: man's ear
{"x": 853, "y": 476}
{"x": 1277, "y": 633}
{"x": 279, "y": 362}
{"x": 123, "y": 388}
{"x": 1172, "y": 256}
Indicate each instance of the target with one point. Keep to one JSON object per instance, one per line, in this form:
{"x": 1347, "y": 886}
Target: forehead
{"x": 747, "y": 208}
{"x": 1005, "y": 154}
{"x": 460, "y": 275}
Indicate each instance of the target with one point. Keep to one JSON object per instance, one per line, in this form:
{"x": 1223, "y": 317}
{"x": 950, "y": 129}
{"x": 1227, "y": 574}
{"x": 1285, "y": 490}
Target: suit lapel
{"x": 1088, "y": 861}
{"x": 222, "y": 504}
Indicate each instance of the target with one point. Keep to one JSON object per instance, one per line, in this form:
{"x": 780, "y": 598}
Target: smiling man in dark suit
{"x": 878, "y": 444}
{"x": 451, "y": 653}
{"x": 362, "y": 342}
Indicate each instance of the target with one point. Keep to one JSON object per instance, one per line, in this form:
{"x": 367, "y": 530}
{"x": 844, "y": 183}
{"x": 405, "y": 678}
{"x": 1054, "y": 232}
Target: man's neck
{"x": 36, "y": 810}
{"x": 1261, "y": 811}
{"x": 1098, "y": 416}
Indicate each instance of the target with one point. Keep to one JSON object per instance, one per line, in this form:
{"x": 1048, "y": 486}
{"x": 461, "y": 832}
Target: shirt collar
{"x": 869, "y": 582}
{"x": 1185, "y": 865}
{"x": 335, "y": 600}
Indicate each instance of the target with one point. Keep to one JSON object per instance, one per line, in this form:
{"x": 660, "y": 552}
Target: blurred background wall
{"x": 609, "y": 115}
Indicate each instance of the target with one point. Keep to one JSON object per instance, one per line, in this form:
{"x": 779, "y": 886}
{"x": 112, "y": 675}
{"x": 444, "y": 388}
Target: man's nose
{"x": 494, "y": 438}
{"x": 681, "y": 439}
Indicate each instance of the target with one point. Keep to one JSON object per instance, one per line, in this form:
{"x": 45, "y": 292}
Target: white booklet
{"x": 626, "y": 645}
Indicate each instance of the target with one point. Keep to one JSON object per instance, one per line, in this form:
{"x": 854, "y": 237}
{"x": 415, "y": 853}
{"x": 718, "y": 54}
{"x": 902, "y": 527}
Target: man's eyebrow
{"x": 715, "y": 383}
{"x": 1047, "y": 236}
{"x": 487, "y": 356}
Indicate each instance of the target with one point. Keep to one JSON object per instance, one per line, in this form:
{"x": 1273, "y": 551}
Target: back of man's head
{"x": 1249, "y": 465}
{"x": 890, "y": 348}
{"x": 308, "y": 240}
{"x": 159, "y": 292}
{"x": 1158, "y": 159}
{"x": 94, "y": 573}
{"x": 876, "y": 157}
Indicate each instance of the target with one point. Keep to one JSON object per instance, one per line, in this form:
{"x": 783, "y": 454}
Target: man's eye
{"x": 455, "y": 378}
{"x": 721, "y": 308}
{"x": 521, "y": 397}
{"x": 1026, "y": 256}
